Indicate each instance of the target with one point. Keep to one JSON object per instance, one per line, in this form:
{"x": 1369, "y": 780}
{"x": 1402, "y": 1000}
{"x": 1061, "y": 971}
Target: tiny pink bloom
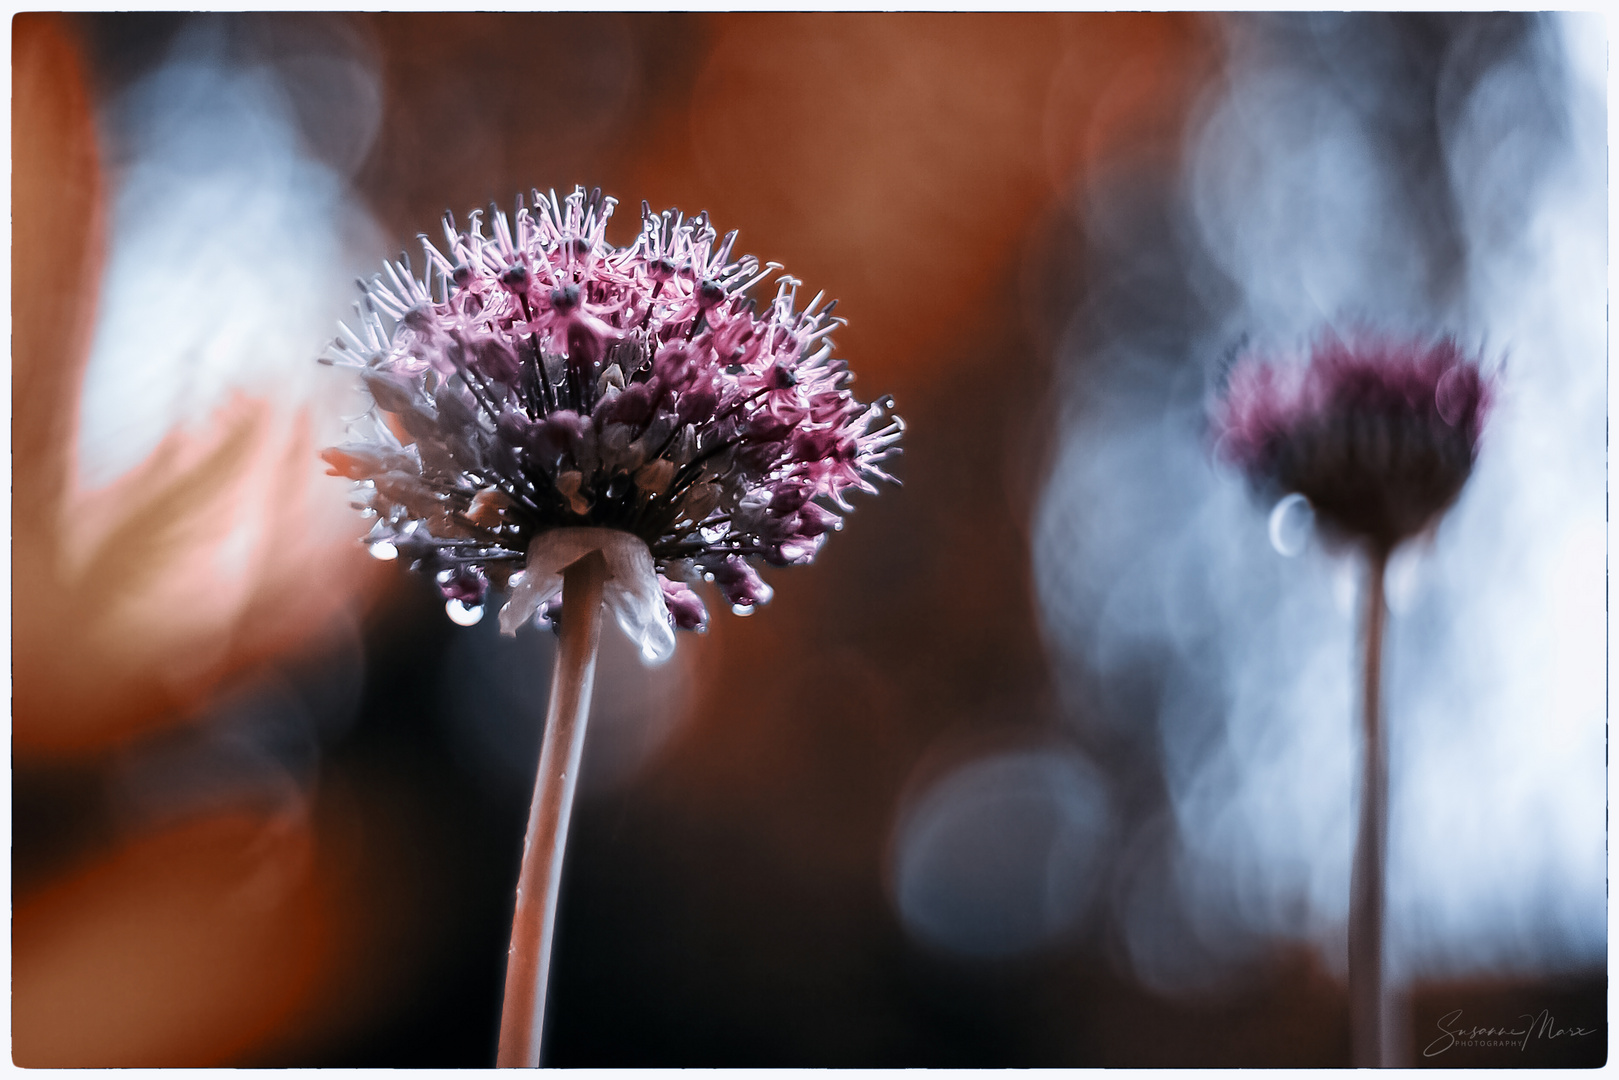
{"x": 540, "y": 378}
{"x": 1379, "y": 434}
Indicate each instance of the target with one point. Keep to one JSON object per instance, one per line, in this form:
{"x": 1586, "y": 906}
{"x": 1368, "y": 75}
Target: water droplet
{"x": 1291, "y": 523}
{"x": 742, "y": 609}
{"x": 384, "y": 550}
{"x": 1451, "y": 396}
{"x": 461, "y": 614}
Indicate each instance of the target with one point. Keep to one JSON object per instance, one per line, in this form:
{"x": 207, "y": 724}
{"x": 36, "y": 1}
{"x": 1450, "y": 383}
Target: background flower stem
{"x": 528, "y": 961}
{"x": 1366, "y": 880}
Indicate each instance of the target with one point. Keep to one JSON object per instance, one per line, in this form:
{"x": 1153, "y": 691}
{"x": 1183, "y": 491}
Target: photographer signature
{"x": 1540, "y": 1024}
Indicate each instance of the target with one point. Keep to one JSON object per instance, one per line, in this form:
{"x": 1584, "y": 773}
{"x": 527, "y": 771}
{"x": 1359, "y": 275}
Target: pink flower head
{"x": 541, "y": 378}
{"x": 1379, "y": 434}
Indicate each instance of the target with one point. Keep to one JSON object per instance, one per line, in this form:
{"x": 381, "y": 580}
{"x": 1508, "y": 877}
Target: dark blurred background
{"x": 1044, "y": 762}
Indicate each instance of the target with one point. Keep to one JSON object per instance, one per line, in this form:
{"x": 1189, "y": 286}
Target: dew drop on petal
{"x": 462, "y": 614}
{"x": 1450, "y": 396}
{"x": 384, "y": 550}
{"x": 1291, "y": 522}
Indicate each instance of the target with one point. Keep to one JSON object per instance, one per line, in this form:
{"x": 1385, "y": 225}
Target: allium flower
{"x": 1379, "y": 434}
{"x": 541, "y": 381}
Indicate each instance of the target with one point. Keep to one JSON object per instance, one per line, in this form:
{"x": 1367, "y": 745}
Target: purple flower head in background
{"x": 541, "y": 381}
{"x": 1379, "y": 434}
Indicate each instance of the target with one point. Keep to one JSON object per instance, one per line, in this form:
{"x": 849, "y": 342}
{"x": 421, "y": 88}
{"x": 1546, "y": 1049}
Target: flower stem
{"x": 1366, "y": 877}
{"x": 528, "y": 961}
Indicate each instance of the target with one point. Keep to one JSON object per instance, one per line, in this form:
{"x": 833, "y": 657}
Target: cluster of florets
{"x": 541, "y": 378}
{"x": 1379, "y": 434}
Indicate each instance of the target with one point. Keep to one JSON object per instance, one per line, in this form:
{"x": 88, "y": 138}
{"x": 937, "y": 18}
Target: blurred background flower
{"x": 1045, "y": 763}
{"x": 1428, "y": 172}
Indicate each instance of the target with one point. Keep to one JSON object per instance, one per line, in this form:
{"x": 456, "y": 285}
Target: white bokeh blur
{"x": 1000, "y": 855}
{"x": 233, "y": 234}
{"x": 1168, "y": 609}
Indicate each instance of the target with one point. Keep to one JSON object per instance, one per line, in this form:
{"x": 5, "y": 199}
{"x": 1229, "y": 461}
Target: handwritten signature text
{"x": 1541, "y": 1025}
